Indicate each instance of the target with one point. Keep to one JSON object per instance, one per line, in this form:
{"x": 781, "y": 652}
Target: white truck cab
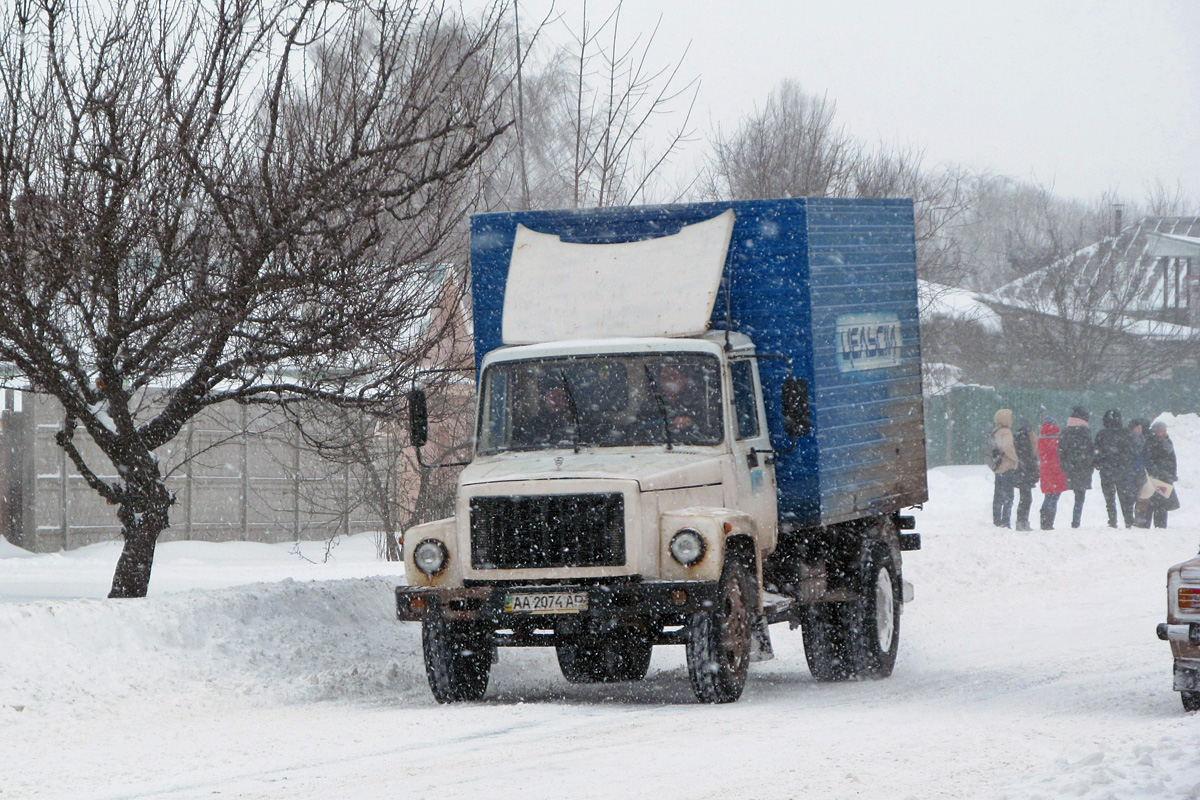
{"x": 595, "y": 419}
{"x": 622, "y": 468}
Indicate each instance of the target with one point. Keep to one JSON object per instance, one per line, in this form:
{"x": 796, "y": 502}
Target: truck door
{"x": 754, "y": 461}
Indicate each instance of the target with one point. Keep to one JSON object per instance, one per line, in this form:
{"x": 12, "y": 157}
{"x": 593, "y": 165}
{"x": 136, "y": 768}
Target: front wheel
{"x": 718, "y": 639}
{"x": 458, "y": 659}
{"x": 1191, "y": 701}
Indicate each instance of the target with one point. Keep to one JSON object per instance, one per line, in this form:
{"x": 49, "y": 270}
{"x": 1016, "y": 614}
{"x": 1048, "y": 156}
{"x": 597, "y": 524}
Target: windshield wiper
{"x": 571, "y": 405}
{"x": 662, "y": 406}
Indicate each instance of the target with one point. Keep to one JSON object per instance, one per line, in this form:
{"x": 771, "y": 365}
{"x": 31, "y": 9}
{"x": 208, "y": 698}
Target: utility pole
{"x": 521, "y": 113}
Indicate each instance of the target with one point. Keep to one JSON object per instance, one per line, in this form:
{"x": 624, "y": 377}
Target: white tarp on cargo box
{"x": 560, "y": 290}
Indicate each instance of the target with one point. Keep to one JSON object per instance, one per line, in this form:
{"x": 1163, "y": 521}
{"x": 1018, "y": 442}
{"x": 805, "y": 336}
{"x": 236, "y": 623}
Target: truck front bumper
{"x": 667, "y": 602}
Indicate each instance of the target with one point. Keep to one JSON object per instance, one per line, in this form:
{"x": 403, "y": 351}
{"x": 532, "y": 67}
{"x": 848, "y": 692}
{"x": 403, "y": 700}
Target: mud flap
{"x": 760, "y": 640}
{"x": 1187, "y": 676}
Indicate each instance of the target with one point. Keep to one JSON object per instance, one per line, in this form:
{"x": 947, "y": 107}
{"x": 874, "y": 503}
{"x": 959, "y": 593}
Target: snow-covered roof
{"x": 1170, "y": 244}
{"x": 1130, "y": 259}
{"x": 1156, "y": 329}
{"x": 1127, "y": 323}
{"x": 939, "y": 301}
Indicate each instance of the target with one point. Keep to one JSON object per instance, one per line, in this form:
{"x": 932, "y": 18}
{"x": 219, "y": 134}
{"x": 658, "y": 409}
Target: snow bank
{"x": 296, "y": 642}
{"x": 316, "y": 631}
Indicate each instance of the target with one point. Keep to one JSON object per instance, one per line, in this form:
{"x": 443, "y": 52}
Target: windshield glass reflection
{"x": 601, "y": 401}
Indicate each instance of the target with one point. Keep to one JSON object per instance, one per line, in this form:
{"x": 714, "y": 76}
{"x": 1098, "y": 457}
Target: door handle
{"x": 752, "y": 457}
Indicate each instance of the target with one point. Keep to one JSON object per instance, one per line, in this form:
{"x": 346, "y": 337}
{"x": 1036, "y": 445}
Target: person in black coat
{"x": 1136, "y": 478}
{"x": 1160, "y": 465}
{"x": 1114, "y": 458}
{"x": 1026, "y": 473}
{"x": 1077, "y": 456}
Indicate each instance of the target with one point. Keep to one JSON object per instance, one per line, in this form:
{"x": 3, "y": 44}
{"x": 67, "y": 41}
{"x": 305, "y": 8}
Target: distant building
{"x": 1121, "y": 309}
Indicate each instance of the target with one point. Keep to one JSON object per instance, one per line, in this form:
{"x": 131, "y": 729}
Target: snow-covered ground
{"x": 1028, "y": 669}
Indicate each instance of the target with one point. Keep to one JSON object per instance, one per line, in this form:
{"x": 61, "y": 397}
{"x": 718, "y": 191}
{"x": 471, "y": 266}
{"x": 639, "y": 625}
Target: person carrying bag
{"x": 1001, "y": 457}
{"x": 1161, "y": 474}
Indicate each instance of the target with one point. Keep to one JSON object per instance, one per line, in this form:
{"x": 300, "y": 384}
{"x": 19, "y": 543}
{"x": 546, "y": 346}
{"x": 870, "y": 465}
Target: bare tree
{"x": 794, "y": 147}
{"x": 244, "y": 200}
{"x": 1013, "y": 227}
{"x": 384, "y": 476}
{"x": 394, "y": 483}
{"x": 791, "y": 147}
{"x": 941, "y": 204}
{"x": 1169, "y": 201}
{"x": 592, "y": 118}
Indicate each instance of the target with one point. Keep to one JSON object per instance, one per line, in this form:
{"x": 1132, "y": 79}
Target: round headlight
{"x": 430, "y": 556}
{"x": 687, "y": 547}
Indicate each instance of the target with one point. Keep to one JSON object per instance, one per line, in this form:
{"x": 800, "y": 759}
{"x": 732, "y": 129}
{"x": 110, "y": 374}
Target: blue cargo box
{"x": 829, "y": 283}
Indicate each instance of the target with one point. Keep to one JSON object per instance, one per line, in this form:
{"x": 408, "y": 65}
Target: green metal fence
{"x": 957, "y": 422}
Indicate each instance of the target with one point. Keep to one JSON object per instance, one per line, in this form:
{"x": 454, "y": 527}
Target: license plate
{"x": 546, "y": 603}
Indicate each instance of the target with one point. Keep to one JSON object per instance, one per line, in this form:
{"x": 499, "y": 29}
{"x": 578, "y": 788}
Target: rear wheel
{"x": 458, "y": 659}
{"x": 718, "y": 639}
{"x": 873, "y": 632}
{"x": 1191, "y": 701}
{"x": 859, "y": 638}
{"x": 622, "y": 655}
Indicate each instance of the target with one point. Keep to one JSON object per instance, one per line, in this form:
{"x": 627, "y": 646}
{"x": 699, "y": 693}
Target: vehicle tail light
{"x": 1189, "y": 598}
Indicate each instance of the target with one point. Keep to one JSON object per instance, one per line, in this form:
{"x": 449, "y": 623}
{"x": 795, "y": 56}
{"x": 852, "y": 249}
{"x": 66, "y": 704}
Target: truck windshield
{"x": 615, "y": 400}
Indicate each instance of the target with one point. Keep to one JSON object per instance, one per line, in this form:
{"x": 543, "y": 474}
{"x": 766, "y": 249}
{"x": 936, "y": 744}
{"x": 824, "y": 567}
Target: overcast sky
{"x": 1083, "y": 96}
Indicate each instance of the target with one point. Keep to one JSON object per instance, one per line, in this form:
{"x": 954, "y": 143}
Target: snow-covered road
{"x": 1028, "y": 668}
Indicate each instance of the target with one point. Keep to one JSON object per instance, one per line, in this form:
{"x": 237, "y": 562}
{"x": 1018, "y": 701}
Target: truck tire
{"x": 458, "y": 659}
{"x": 617, "y": 656}
{"x": 1191, "y": 701}
{"x": 857, "y": 639}
{"x": 873, "y": 619}
{"x": 718, "y": 639}
{"x": 823, "y": 627}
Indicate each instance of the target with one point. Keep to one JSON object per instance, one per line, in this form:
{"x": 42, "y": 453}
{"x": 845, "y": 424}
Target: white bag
{"x": 1154, "y": 486}
{"x": 1147, "y": 487}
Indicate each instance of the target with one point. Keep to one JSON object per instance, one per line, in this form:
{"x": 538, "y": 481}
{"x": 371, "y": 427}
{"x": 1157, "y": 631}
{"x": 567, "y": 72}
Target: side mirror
{"x": 794, "y": 399}
{"x": 418, "y": 418}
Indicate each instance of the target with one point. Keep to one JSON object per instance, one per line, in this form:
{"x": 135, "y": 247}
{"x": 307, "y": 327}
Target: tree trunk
{"x": 132, "y": 577}
{"x": 392, "y": 548}
{"x": 143, "y": 518}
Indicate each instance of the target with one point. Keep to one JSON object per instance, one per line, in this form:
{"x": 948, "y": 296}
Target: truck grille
{"x": 541, "y": 531}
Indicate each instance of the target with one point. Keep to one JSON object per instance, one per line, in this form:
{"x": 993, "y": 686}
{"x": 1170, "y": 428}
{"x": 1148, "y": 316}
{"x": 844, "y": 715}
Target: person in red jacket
{"x": 1053, "y": 481}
